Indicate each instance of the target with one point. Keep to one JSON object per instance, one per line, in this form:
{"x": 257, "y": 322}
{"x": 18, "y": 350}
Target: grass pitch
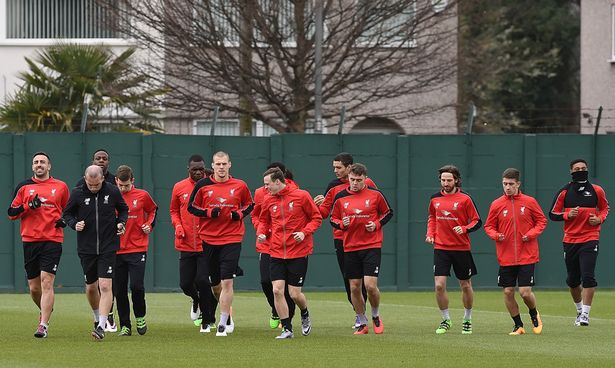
{"x": 409, "y": 340}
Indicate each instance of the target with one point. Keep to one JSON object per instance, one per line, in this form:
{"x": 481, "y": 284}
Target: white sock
{"x": 375, "y": 312}
{"x": 102, "y": 321}
{"x": 44, "y": 325}
{"x": 223, "y": 318}
{"x": 579, "y": 306}
{"x": 467, "y": 313}
{"x": 585, "y": 309}
{"x": 363, "y": 319}
{"x": 445, "y": 314}
{"x": 96, "y": 313}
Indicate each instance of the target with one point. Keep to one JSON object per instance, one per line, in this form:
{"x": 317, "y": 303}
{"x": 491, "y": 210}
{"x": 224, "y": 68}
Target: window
{"x": 388, "y": 24}
{"x": 275, "y": 15}
{"x": 231, "y": 128}
{"x": 46, "y": 19}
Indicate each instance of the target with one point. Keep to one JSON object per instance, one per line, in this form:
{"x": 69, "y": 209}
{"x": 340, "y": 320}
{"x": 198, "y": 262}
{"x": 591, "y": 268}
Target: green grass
{"x": 409, "y": 339}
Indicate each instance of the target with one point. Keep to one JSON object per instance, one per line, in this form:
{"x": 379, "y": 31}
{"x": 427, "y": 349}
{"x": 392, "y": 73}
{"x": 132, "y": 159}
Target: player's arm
{"x": 491, "y": 224}
{"x": 196, "y": 197}
{"x": 540, "y": 220}
{"x": 312, "y": 212}
{"x": 475, "y": 221}
{"x": 385, "y": 211}
{"x": 557, "y": 212}
{"x": 603, "y": 204}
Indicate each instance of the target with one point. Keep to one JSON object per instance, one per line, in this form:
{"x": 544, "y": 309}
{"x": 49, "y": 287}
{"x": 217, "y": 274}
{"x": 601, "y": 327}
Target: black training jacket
{"x": 101, "y": 211}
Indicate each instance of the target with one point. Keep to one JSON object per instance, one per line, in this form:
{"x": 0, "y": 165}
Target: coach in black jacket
{"x": 97, "y": 211}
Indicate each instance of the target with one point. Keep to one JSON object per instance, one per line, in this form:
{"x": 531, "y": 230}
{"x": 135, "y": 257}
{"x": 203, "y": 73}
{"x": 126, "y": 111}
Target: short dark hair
{"x": 287, "y": 173}
{"x": 101, "y": 150}
{"x": 511, "y": 173}
{"x": 41, "y": 153}
{"x": 451, "y": 169}
{"x": 276, "y": 174}
{"x": 576, "y": 161}
{"x": 345, "y": 158}
{"x": 124, "y": 173}
{"x": 195, "y": 158}
{"x": 358, "y": 169}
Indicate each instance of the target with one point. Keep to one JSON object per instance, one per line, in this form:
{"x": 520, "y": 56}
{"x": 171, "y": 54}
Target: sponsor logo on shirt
{"x": 221, "y": 200}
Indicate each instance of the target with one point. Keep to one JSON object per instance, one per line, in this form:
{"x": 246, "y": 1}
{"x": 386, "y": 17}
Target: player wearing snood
{"x": 583, "y": 207}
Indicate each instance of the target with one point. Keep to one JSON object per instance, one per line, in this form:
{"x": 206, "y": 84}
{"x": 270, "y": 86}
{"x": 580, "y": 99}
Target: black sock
{"x": 304, "y": 313}
{"x": 533, "y": 312}
{"x": 286, "y": 324}
{"x": 517, "y": 320}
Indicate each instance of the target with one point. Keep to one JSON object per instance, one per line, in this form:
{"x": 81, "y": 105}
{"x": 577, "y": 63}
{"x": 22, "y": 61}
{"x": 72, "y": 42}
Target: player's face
{"x": 357, "y": 182}
{"x": 196, "y": 170}
{"x": 273, "y": 187}
{"x": 41, "y": 166}
{"x": 511, "y": 186}
{"x": 579, "y": 166}
{"x": 448, "y": 182}
{"x": 124, "y": 186}
{"x": 94, "y": 184}
{"x": 101, "y": 159}
{"x": 341, "y": 171}
{"x": 221, "y": 166}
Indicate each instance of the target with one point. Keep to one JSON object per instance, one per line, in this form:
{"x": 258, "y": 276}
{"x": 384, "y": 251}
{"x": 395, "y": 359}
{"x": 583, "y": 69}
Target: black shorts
{"x": 222, "y": 261}
{"x": 290, "y": 270}
{"x": 361, "y": 263}
{"x": 97, "y": 266}
{"x": 41, "y": 256}
{"x": 580, "y": 261}
{"x": 264, "y": 265}
{"x": 511, "y": 276}
{"x": 461, "y": 260}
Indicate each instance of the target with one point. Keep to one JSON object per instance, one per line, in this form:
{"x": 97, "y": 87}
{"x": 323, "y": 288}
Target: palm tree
{"x": 62, "y": 77}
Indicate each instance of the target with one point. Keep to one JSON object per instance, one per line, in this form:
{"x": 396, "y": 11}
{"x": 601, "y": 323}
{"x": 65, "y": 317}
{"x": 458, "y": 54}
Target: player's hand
{"x": 60, "y": 223}
{"x": 370, "y": 226}
{"x": 35, "y": 203}
{"x": 594, "y": 220}
{"x": 319, "y": 199}
{"x": 79, "y": 226}
{"x": 501, "y": 237}
{"x": 179, "y": 231}
{"x": 346, "y": 221}
{"x": 215, "y": 212}
{"x": 146, "y": 228}
{"x": 235, "y": 216}
{"x": 121, "y": 229}
{"x": 458, "y": 229}
{"x": 429, "y": 240}
{"x": 298, "y": 236}
{"x": 261, "y": 238}
{"x": 573, "y": 212}
{"x": 525, "y": 238}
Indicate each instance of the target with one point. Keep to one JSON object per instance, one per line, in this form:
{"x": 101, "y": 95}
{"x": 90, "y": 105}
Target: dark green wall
{"x": 404, "y": 167}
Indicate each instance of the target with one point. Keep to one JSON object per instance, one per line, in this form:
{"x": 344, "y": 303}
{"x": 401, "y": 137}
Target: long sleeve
{"x": 491, "y": 224}
{"x": 431, "y": 221}
{"x": 557, "y": 208}
{"x": 603, "y": 204}
{"x": 312, "y": 212}
{"x": 540, "y": 220}
{"x": 175, "y": 208}
{"x": 474, "y": 218}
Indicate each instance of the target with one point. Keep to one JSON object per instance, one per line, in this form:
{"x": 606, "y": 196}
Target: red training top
{"x": 190, "y": 241}
{"x": 515, "y": 216}
{"x": 447, "y": 211}
{"x": 141, "y": 211}
{"x": 39, "y": 224}
{"x": 366, "y": 205}
{"x": 289, "y": 211}
{"x": 259, "y": 196}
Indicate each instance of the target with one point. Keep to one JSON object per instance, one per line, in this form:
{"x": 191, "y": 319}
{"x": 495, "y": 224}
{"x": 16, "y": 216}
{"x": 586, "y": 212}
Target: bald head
{"x": 94, "y": 178}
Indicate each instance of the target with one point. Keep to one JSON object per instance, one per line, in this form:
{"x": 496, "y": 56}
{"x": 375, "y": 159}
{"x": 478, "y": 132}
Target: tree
{"x": 519, "y": 64}
{"x": 63, "y": 76}
{"x": 256, "y": 57}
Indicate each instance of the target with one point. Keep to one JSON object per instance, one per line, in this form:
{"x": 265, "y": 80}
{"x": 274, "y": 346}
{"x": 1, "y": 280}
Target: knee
{"x": 525, "y": 293}
{"x": 279, "y": 291}
{"x": 137, "y": 288}
{"x": 440, "y": 287}
{"x": 509, "y": 293}
{"x": 105, "y": 287}
{"x": 371, "y": 288}
{"x": 589, "y": 282}
{"x": 466, "y": 286}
